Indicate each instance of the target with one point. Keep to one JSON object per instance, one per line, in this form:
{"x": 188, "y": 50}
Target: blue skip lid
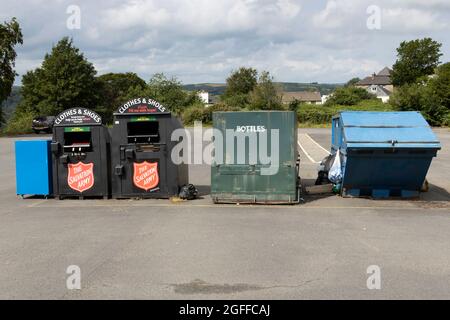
{"x": 406, "y": 129}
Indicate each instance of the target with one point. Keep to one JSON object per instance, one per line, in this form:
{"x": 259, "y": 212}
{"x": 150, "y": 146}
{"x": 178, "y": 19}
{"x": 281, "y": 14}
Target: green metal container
{"x": 256, "y": 158}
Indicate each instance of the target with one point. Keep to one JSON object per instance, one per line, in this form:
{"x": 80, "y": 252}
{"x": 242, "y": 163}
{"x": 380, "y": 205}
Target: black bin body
{"x": 141, "y": 152}
{"x": 80, "y": 155}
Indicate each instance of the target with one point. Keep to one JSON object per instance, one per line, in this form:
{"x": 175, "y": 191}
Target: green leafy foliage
{"x": 319, "y": 115}
{"x": 245, "y": 90}
{"x": 169, "y": 92}
{"x": 294, "y": 105}
{"x": 239, "y": 85}
{"x": 65, "y": 80}
{"x": 200, "y": 113}
{"x": 196, "y": 113}
{"x": 415, "y": 59}
{"x": 10, "y": 36}
{"x": 430, "y": 96}
{"x": 218, "y": 89}
{"x": 216, "y": 108}
{"x": 352, "y": 82}
{"x": 9, "y": 105}
{"x": 113, "y": 89}
{"x": 242, "y": 81}
{"x": 265, "y": 95}
{"x": 20, "y": 123}
{"x": 440, "y": 85}
{"x": 349, "y": 96}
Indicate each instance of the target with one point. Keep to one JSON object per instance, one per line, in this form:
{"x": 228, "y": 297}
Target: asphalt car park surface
{"x": 158, "y": 249}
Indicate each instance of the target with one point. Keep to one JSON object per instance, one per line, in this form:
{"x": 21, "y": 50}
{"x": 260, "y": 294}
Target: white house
{"x": 379, "y": 84}
{"x": 204, "y": 96}
{"x": 325, "y": 97}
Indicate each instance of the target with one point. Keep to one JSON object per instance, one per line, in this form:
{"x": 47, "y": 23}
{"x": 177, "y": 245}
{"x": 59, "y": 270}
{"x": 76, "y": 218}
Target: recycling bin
{"x": 81, "y": 155}
{"x": 255, "y": 158}
{"x": 384, "y": 154}
{"x": 141, "y": 152}
{"x": 33, "y": 168}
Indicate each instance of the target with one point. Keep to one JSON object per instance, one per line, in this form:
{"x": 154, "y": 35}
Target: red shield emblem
{"x": 81, "y": 176}
{"x": 146, "y": 175}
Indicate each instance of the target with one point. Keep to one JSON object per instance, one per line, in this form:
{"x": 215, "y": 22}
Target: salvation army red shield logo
{"x": 146, "y": 175}
{"x": 81, "y": 176}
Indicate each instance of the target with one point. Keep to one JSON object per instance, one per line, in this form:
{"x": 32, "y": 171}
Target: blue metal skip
{"x": 384, "y": 154}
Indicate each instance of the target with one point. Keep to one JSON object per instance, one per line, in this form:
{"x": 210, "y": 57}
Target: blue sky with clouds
{"x": 203, "y": 40}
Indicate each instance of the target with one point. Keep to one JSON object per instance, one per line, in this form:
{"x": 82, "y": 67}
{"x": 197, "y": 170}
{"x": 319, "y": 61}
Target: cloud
{"x": 203, "y": 40}
{"x": 399, "y": 16}
{"x": 202, "y": 17}
{"x": 431, "y": 4}
{"x": 406, "y": 19}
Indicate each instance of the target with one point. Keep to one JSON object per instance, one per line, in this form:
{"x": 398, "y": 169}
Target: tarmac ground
{"x": 158, "y": 249}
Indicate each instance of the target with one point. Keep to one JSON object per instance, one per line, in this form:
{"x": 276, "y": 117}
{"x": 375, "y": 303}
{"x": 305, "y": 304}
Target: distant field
{"x": 219, "y": 88}
{"x": 215, "y": 89}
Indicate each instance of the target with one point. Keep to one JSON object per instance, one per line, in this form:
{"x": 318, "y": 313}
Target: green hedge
{"x": 193, "y": 114}
{"x": 446, "y": 121}
{"x": 307, "y": 113}
{"x": 322, "y": 114}
{"x": 20, "y": 123}
{"x": 204, "y": 114}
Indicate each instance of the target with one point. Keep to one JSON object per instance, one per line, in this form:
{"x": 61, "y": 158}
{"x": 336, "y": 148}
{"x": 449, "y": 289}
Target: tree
{"x": 168, "y": 91}
{"x": 10, "y": 36}
{"x": 243, "y": 81}
{"x": 415, "y": 59}
{"x": 349, "y": 96}
{"x": 440, "y": 85}
{"x": 113, "y": 89}
{"x": 419, "y": 97}
{"x": 239, "y": 85}
{"x": 352, "y": 82}
{"x": 294, "y": 105}
{"x": 65, "y": 80}
{"x": 264, "y": 95}
{"x": 431, "y": 96}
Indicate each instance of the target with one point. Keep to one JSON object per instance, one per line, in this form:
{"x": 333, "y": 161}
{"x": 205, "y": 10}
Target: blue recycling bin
{"x": 33, "y": 168}
{"x": 383, "y": 154}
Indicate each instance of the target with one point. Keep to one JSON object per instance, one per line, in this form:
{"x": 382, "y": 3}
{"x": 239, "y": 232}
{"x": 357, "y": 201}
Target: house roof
{"x": 385, "y": 91}
{"x": 375, "y": 79}
{"x": 382, "y": 78}
{"x": 305, "y": 96}
{"x": 385, "y": 72}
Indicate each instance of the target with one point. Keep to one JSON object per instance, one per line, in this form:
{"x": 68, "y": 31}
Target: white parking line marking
{"x": 306, "y": 153}
{"x": 317, "y": 144}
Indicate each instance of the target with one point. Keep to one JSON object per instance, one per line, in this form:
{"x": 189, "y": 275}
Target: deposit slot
{"x": 146, "y": 132}
{"x": 141, "y": 153}
{"x": 77, "y": 142}
{"x": 80, "y": 155}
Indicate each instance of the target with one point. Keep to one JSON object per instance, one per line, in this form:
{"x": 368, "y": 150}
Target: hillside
{"x": 219, "y": 88}
{"x": 215, "y": 89}
{"x": 10, "y": 104}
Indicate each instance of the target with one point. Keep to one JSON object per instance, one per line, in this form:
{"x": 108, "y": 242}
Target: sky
{"x": 198, "y": 41}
